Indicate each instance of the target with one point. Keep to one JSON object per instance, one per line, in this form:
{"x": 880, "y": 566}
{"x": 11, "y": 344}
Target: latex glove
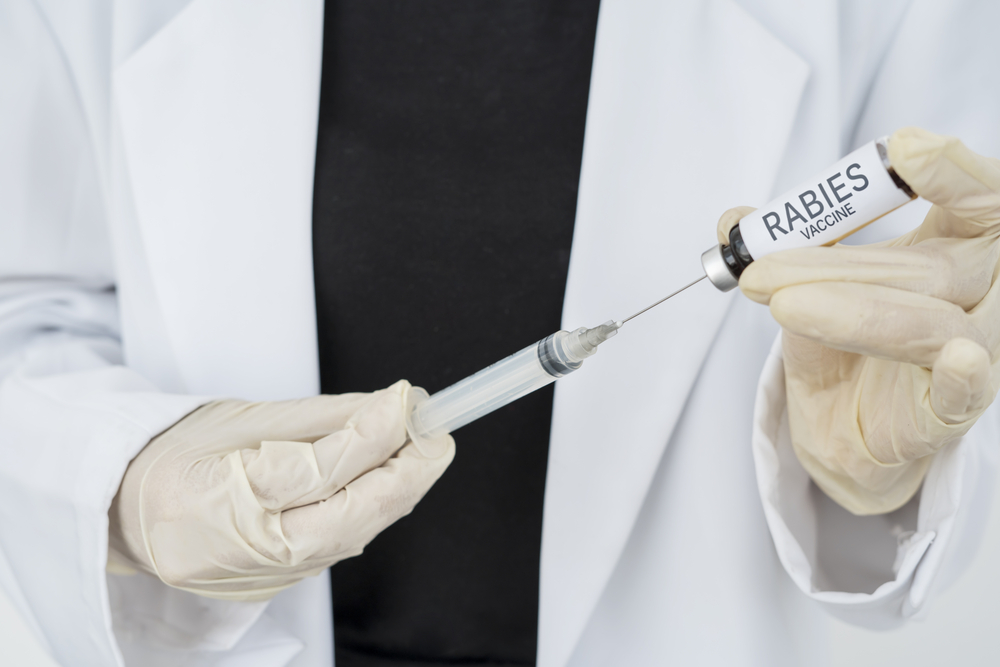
{"x": 241, "y": 500}
{"x": 890, "y": 350}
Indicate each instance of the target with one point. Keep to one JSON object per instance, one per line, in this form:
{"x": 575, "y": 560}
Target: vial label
{"x": 836, "y": 203}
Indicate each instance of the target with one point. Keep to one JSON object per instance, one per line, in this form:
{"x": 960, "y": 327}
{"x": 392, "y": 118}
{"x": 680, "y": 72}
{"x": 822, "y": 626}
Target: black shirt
{"x": 447, "y": 165}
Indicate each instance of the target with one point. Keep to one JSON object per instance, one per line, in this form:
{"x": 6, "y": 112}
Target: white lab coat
{"x": 155, "y": 251}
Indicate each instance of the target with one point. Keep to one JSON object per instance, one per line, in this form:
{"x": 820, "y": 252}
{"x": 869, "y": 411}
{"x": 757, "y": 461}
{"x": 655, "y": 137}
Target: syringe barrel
{"x": 507, "y": 380}
{"x": 480, "y": 394}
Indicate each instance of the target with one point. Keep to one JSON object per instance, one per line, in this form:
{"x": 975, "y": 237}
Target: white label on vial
{"x": 825, "y": 209}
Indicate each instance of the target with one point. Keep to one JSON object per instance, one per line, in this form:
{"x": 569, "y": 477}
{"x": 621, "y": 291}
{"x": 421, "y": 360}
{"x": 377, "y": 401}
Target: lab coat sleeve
{"x": 873, "y": 571}
{"x": 72, "y": 414}
{"x": 73, "y": 410}
{"x": 71, "y": 418}
{"x": 937, "y": 71}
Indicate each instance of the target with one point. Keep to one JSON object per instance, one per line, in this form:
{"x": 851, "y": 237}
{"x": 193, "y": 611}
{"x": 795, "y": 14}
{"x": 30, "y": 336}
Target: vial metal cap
{"x": 717, "y": 270}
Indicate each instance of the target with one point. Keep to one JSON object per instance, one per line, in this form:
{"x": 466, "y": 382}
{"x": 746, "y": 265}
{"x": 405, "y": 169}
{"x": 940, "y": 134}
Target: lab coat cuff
{"x": 69, "y": 436}
{"x": 952, "y": 500}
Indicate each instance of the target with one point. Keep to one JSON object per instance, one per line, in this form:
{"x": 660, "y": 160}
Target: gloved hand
{"x": 240, "y": 500}
{"x": 890, "y": 350}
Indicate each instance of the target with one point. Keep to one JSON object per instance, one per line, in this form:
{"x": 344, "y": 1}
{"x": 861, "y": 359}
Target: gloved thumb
{"x": 944, "y": 171}
{"x": 960, "y": 381}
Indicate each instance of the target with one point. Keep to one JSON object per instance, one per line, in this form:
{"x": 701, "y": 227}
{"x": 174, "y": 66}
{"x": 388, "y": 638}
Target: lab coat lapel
{"x": 690, "y": 110}
{"x": 217, "y": 115}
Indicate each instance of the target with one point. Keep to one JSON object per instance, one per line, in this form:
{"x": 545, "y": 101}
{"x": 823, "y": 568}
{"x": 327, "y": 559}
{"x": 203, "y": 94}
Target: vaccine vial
{"x": 857, "y": 190}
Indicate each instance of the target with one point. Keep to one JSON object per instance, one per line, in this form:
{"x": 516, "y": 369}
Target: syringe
{"x": 854, "y": 192}
{"x": 507, "y": 380}
{"x": 534, "y": 367}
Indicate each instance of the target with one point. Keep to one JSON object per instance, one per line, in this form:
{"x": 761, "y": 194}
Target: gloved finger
{"x": 873, "y": 320}
{"x": 287, "y": 474}
{"x": 729, "y": 220}
{"x": 955, "y": 270}
{"x": 944, "y": 171}
{"x": 824, "y": 365}
{"x": 907, "y": 413}
{"x": 897, "y": 423}
{"x": 343, "y": 524}
{"x": 233, "y": 424}
{"x": 960, "y": 381}
{"x": 985, "y": 317}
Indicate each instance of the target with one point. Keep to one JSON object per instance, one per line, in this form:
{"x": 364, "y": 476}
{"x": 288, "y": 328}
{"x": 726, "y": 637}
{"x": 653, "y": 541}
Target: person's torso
{"x": 448, "y": 160}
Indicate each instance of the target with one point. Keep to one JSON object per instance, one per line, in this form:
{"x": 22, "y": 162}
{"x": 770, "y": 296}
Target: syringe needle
{"x": 669, "y": 296}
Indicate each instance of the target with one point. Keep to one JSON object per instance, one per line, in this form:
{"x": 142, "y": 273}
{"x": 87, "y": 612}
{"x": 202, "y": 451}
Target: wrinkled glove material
{"x": 241, "y": 500}
{"x": 890, "y": 350}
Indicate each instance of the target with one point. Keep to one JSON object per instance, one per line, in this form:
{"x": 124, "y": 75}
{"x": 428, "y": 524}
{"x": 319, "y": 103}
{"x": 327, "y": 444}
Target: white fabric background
{"x": 959, "y": 629}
